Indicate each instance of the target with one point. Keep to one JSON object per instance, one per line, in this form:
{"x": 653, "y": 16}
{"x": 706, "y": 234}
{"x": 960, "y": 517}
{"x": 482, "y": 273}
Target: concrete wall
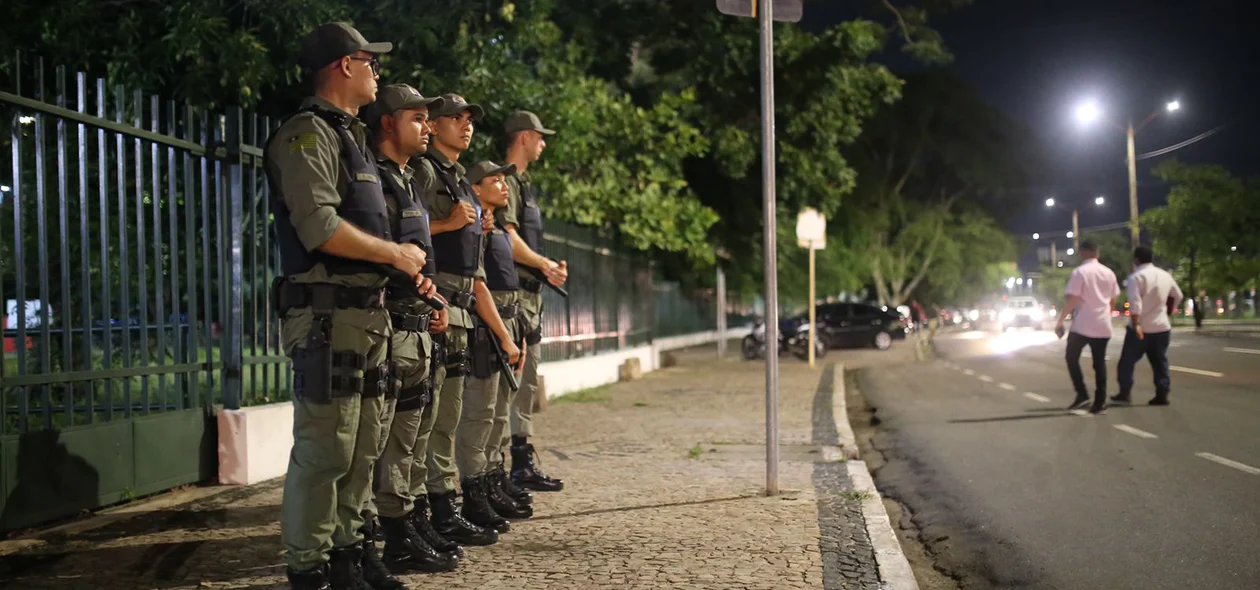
{"x": 254, "y": 442}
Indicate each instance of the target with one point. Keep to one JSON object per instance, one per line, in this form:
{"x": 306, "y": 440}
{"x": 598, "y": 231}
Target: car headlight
{"x": 1006, "y": 315}
{"x": 974, "y": 314}
{"x": 1054, "y": 313}
{"x": 1035, "y": 315}
{"x": 957, "y": 319}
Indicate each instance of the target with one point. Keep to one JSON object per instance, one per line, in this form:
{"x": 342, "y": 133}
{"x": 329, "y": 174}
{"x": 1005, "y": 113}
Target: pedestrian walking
{"x": 1153, "y": 294}
{"x": 1091, "y": 294}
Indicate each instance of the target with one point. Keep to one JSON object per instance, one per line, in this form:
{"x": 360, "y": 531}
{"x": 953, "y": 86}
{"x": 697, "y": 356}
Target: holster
{"x": 534, "y": 337}
{"x": 321, "y": 374}
{"x": 458, "y": 364}
{"x": 484, "y": 355}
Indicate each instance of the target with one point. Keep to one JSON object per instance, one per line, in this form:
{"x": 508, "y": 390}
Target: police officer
{"x": 523, "y": 222}
{"x": 484, "y": 417}
{"x": 399, "y": 120}
{"x": 458, "y": 230}
{"x": 335, "y": 249}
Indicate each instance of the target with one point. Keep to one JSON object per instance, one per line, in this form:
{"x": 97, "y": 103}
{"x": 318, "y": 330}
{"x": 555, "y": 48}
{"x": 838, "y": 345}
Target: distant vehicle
{"x": 1021, "y": 312}
{"x": 859, "y": 324}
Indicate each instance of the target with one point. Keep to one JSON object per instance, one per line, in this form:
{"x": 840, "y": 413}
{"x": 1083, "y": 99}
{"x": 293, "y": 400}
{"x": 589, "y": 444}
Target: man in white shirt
{"x": 1153, "y": 294}
{"x": 1091, "y": 294}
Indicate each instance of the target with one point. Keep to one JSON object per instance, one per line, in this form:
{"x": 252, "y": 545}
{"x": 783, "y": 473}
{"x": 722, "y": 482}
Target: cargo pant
{"x": 335, "y": 443}
{"x": 440, "y": 460}
{"x": 522, "y": 406}
{"x": 393, "y": 495}
{"x": 485, "y": 404}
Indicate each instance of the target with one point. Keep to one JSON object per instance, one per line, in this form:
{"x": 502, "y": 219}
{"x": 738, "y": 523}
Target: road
{"x": 1009, "y": 490}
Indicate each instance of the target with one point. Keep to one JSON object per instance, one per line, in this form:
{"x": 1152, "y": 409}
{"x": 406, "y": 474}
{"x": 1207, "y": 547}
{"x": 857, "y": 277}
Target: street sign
{"x": 811, "y": 229}
{"x": 788, "y": 11}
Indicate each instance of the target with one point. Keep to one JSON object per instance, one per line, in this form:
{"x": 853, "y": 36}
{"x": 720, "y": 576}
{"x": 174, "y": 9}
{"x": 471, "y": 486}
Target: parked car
{"x": 859, "y": 324}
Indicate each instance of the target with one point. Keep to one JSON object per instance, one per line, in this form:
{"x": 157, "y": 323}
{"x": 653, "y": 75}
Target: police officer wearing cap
{"x": 522, "y": 220}
{"x": 478, "y": 448}
{"x": 399, "y": 120}
{"x": 458, "y": 238}
{"x": 336, "y": 249}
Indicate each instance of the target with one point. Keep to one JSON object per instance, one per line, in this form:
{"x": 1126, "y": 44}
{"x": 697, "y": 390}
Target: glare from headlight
{"x": 1054, "y": 313}
{"x": 973, "y": 314}
{"x": 1035, "y": 315}
{"x": 1006, "y": 315}
{"x": 957, "y": 319}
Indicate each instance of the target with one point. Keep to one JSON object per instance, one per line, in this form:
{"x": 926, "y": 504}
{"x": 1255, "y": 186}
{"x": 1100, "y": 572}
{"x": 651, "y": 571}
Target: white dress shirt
{"x": 1149, "y": 290}
{"x": 1096, "y": 286}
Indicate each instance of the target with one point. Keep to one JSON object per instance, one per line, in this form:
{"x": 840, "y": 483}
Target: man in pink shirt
{"x": 1091, "y": 294}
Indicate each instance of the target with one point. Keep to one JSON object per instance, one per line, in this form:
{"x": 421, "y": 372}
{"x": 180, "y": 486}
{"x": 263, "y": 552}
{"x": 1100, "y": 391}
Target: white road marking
{"x": 968, "y": 372}
{"x": 1134, "y": 431}
{"x": 1037, "y": 398}
{"x": 986, "y": 379}
{"x": 1081, "y": 413}
{"x": 1228, "y": 463}
{"x": 1196, "y": 371}
{"x": 1242, "y": 350}
{"x": 1007, "y": 386}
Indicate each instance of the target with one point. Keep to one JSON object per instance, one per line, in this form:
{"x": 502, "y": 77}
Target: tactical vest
{"x": 531, "y": 229}
{"x": 363, "y": 206}
{"x": 459, "y": 249}
{"x": 410, "y": 226}
{"x": 500, "y": 271}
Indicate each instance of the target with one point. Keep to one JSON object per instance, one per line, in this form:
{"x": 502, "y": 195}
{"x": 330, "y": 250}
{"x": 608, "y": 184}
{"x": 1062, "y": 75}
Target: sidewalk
{"x": 664, "y": 481}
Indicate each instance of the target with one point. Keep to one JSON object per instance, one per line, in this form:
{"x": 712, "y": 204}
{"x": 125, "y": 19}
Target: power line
{"x": 1175, "y": 147}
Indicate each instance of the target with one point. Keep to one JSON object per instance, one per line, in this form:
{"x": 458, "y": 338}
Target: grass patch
{"x": 586, "y": 396}
{"x": 856, "y": 495}
{"x": 640, "y": 404}
{"x": 695, "y": 451}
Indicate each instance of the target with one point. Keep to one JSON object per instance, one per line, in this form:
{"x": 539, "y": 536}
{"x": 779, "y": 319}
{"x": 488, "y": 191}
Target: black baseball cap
{"x": 330, "y": 42}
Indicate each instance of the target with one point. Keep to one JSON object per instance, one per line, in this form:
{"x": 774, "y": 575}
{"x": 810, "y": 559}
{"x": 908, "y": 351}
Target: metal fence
{"x": 136, "y": 255}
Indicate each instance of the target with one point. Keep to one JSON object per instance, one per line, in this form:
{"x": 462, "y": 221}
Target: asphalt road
{"x": 1009, "y": 490}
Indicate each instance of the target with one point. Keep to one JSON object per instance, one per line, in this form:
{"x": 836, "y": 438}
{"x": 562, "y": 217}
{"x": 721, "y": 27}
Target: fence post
{"x": 234, "y": 333}
{"x": 721, "y": 311}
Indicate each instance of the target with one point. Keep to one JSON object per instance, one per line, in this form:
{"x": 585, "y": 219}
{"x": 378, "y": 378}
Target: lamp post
{"x": 1075, "y": 234}
{"x": 1089, "y": 112}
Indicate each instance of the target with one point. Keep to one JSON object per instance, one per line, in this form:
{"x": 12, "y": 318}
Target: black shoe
{"x": 477, "y": 509}
{"x": 1099, "y": 407}
{"x": 522, "y": 497}
{"x": 312, "y": 579}
{"x": 1159, "y": 401}
{"x": 448, "y": 522}
{"x": 374, "y": 571}
{"x": 405, "y": 551}
{"x": 1121, "y": 398}
{"x": 501, "y": 502}
{"x": 419, "y": 518}
{"x": 345, "y": 569}
{"x": 1081, "y": 401}
{"x": 527, "y": 475}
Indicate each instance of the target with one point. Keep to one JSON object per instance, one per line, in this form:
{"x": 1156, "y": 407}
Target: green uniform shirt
{"x": 304, "y": 159}
{"x": 440, "y": 203}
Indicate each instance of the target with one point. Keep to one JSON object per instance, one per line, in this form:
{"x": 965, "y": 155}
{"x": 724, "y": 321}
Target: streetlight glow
{"x": 1070, "y": 234}
{"x": 1233, "y": 248}
{"x": 1060, "y": 264}
{"x": 1088, "y": 112}
{"x": 1036, "y": 236}
{"x": 1071, "y": 251}
{"x": 1019, "y": 281}
{"x": 1099, "y": 200}
{"x": 1174, "y": 105}
{"x": 1050, "y": 202}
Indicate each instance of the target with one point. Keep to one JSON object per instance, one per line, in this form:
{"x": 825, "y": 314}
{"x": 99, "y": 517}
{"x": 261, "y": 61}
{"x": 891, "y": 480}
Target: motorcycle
{"x": 793, "y": 337}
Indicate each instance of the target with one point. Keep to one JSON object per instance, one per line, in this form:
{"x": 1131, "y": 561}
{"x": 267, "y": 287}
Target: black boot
{"x": 448, "y": 522}
{"x": 406, "y": 551}
{"x": 419, "y": 518}
{"x": 477, "y": 508}
{"x": 503, "y": 504}
{"x": 522, "y": 497}
{"x": 312, "y": 579}
{"x": 527, "y": 475}
{"x": 374, "y": 571}
{"x": 345, "y": 569}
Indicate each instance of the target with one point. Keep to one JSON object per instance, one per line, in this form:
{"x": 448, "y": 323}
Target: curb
{"x": 894, "y": 569}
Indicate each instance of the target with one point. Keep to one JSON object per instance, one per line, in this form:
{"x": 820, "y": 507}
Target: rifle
{"x": 540, "y": 277}
{"x": 433, "y": 302}
{"x": 505, "y": 367}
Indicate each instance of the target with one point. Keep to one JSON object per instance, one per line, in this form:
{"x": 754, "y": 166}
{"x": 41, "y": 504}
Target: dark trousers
{"x": 1098, "y": 348}
{"x": 1155, "y": 348}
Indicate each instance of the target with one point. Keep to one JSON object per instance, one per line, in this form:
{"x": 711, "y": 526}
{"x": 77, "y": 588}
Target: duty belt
{"x": 531, "y": 285}
{"x": 290, "y": 295}
{"x": 410, "y": 322}
{"x": 510, "y": 310}
{"x": 460, "y": 299}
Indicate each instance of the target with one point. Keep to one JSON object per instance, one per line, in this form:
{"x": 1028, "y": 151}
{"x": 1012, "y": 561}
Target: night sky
{"x": 1038, "y": 59}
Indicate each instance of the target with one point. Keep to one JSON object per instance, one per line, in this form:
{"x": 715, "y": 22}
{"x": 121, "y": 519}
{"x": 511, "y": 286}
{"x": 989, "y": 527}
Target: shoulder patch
{"x": 412, "y": 213}
{"x": 303, "y": 141}
{"x": 365, "y": 177}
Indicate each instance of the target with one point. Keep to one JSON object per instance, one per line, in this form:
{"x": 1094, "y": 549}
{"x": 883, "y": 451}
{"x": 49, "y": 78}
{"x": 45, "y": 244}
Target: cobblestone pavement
{"x": 664, "y": 481}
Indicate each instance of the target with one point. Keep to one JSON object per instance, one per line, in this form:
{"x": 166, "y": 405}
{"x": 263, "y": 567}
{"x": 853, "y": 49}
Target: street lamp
{"x": 1076, "y": 217}
{"x": 1071, "y": 251}
{"x": 1099, "y": 200}
{"x": 1071, "y": 234}
{"x": 1088, "y": 112}
{"x": 1050, "y": 202}
{"x": 1036, "y": 236}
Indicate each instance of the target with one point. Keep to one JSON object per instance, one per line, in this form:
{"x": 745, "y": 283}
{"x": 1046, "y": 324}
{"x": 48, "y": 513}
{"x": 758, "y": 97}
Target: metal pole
{"x": 1133, "y": 202}
{"x": 770, "y": 247}
{"x": 721, "y": 310}
{"x": 811, "y": 304}
{"x": 1076, "y": 231}
{"x": 1054, "y": 254}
